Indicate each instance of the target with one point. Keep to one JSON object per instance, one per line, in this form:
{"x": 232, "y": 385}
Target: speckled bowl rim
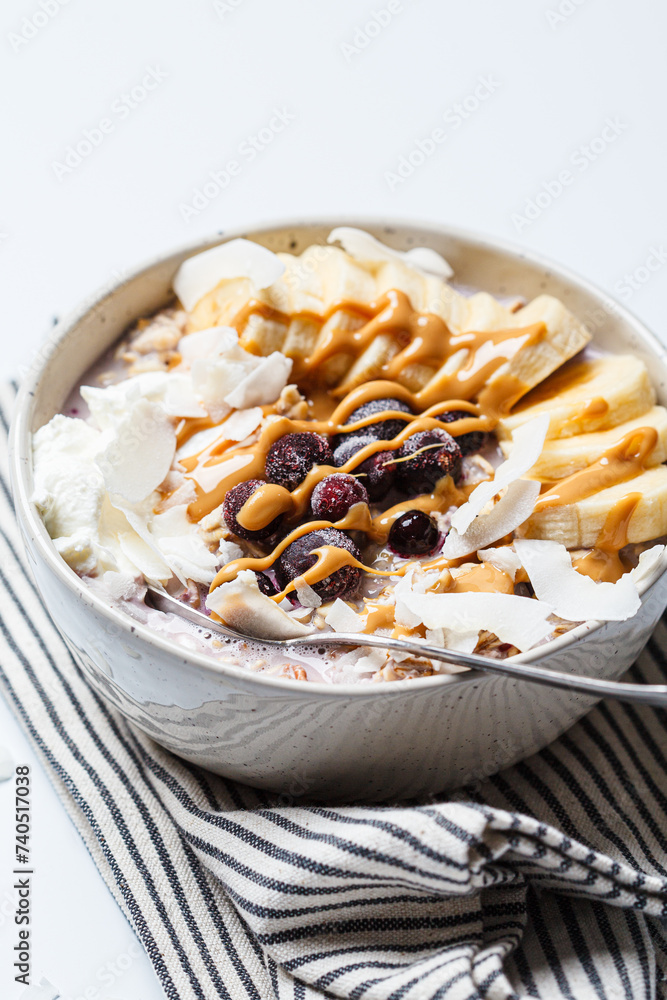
{"x": 20, "y": 459}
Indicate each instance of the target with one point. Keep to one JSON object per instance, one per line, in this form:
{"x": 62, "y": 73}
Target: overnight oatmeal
{"x": 343, "y": 440}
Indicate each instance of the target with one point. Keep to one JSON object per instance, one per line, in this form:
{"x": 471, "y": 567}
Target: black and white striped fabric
{"x": 549, "y": 880}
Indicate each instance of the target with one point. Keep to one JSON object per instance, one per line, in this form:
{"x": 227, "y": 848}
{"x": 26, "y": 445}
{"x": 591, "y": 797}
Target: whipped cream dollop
{"x": 96, "y": 481}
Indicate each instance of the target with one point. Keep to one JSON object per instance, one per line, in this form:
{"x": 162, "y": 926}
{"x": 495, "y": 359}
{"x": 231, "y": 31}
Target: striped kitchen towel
{"x": 548, "y": 880}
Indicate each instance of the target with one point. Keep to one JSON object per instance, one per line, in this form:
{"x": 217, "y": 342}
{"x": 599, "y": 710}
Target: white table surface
{"x": 520, "y": 92}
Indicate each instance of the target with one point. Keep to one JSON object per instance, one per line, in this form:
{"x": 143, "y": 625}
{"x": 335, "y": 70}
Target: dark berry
{"x": 441, "y": 457}
{"x": 232, "y": 504}
{"x": 298, "y": 557}
{"x": 472, "y": 441}
{"x": 266, "y": 584}
{"x": 383, "y": 430}
{"x": 376, "y": 473}
{"x": 334, "y": 495}
{"x": 413, "y": 534}
{"x": 291, "y": 458}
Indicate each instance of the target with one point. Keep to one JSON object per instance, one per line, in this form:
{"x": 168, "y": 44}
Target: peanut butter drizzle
{"x": 378, "y": 615}
{"x": 248, "y": 462}
{"x": 484, "y": 578}
{"x": 266, "y": 503}
{"x": 191, "y": 426}
{"x": 254, "y": 307}
{"x": 603, "y": 563}
{"x": 425, "y": 339}
{"x": 624, "y": 460}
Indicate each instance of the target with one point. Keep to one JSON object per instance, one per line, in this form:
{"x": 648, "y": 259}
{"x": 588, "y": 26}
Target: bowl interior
{"x": 79, "y": 340}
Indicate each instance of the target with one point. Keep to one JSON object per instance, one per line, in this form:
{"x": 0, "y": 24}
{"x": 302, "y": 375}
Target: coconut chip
{"x": 140, "y": 455}
{"x": 572, "y": 595}
{"x": 514, "y": 507}
{"x": 306, "y": 594}
{"x": 520, "y": 621}
{"x": 364, "y": 247}
{"x": 209, "y": 343}
{"x": 228, "y": 551}
{"x": 241, "y": 424}
{"x": 527, "y": 443}
{"x": 341, "y": 618}
{"x": 237, "y": 259}
{"x": 264, "y": 384}
{"x": 243, "y": 607}
{"x": 504, "y": 558}
{"x": 354, "y": 664}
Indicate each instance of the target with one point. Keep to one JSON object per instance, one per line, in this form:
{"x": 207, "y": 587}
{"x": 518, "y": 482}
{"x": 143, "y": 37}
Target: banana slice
{"x": 221, "y": 305}
{"x": 578, "y": 525}
{"x": 586, "y": 396}
{"x": 565, "y": 456}
{"x": 565, "y": 337}
{"x": 325, "y": 277}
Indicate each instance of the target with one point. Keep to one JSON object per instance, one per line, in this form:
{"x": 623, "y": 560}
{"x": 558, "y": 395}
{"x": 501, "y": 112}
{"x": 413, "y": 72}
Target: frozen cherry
{"x": 376, "y": 473}
{"x": 472, "y": 441}
{"x": 232, "y": 504}
{"x": 335, "y": 495}
{"x": 413, "y": 534}
{"x": 429, "y": 455}
{"x": 292, "y": 456}
{"x": 266, "y": 584}
{"x": 383, "y": 430}
{"x": 299, "y": 557}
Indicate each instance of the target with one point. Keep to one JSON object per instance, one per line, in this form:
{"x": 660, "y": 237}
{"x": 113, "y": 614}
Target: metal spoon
{"x": 646, "y": 694}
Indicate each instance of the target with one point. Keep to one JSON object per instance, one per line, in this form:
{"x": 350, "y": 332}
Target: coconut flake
{"x": 214, "y": 379}
{"x": 504, "y": 558}
{"x": 648, "y": 560}
{"x": 520, "y": 621}
{"x": 242, "y": 606}
{"x": 574, "y": 597}
{"x": 341, "y": 618}
{"x": 241, "y": 424}
{"x": 264, "y": 384}
{"x": 228, "y": 552}
{"x": 209, "y": 343}
{"x": 140, "y": 455}
{"x": 364, "y": 247}
{"x": 514, "y": 507}
{"x": 370, "y": 663}
{"x": 237, "y": 259}
{"x": 180, "y": 544}
{"x": 307, "y": 596}
{"x": 527, "y": 444}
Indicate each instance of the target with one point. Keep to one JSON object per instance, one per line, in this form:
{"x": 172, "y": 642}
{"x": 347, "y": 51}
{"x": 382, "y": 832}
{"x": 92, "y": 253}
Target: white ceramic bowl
{"x": 344, "y": 741}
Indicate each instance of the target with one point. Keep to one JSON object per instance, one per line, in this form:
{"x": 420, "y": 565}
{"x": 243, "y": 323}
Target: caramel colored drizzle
{"x": 234, "y": 465}
{"x": 465, "y": 367}
{"x": 603, "y": 562}
{"x": 484, "y": 578}
{"x": 265, "y": 504}
{"x": 624, "y": 460}
{"x": 425, "y": 340}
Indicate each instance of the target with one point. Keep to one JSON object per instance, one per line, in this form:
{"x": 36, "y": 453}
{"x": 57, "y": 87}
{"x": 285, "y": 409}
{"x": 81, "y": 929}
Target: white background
{"x": 521, "y": 91}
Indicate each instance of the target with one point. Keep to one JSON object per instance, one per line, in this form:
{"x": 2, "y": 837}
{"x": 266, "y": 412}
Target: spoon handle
{"x": 642, "y": 694}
